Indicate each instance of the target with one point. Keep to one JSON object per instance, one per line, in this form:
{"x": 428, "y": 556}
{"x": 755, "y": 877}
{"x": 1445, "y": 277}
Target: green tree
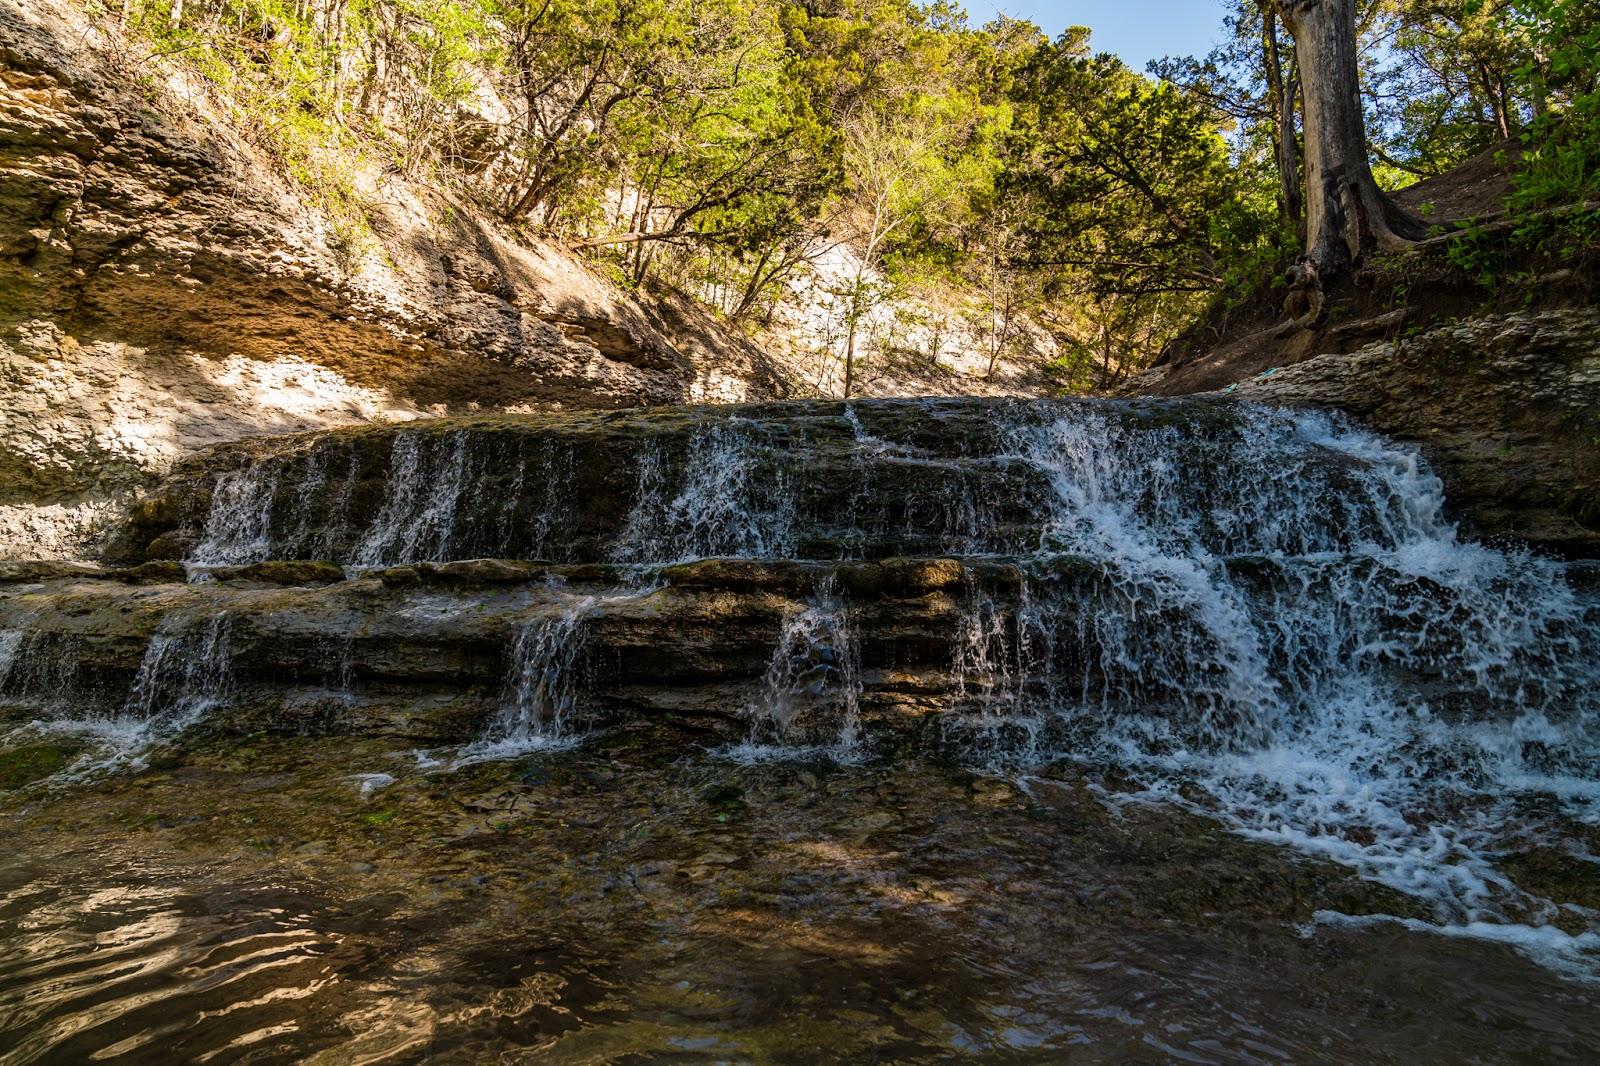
{"x": 1561, "y": 164}
{"x": 899, "y": 171}
{"x": 1448, "y": 87}
{"x": 1136, "y": 209}
{"x": 1250, "y": 80}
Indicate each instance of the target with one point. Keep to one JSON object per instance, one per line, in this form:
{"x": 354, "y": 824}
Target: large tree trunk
{"x": 1347, "y": 215}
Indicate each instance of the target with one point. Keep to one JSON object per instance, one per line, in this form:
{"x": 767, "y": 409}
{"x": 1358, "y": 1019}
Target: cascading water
{"x": 184, "y": 673}
{"x": 245, "y": 520}
{"x": 1330, "y": 662}
{"x": 812, "y": 687}
{"x": 239, "y": 524}
{"x": 544, "y": 686}
{"x": 1003, "y": 685}
{"x": 417, "y": 519}
{"x": 719, "y": 508}
{"x": 10, "y": 643}
{"x": 1263, "y": 614}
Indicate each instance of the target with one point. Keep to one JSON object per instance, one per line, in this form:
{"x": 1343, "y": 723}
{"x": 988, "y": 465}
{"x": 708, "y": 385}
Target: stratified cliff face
{"x": 1507, "y": 408}
{"x": 162, "y": 290}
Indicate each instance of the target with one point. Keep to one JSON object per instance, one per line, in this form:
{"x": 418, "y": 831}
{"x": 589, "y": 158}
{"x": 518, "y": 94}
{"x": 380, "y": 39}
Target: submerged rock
{"x": 27, "y": 763}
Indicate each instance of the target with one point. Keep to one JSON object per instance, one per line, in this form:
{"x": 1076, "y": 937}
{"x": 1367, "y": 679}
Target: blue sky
{"x": 1137, "y": 30}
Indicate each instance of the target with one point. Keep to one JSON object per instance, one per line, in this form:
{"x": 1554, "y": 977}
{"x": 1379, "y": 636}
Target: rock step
{"x": 425, "y": 650}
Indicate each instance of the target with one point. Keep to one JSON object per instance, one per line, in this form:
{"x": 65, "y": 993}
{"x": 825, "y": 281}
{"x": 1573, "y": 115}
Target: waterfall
{"x": 1311, "y": 643}
{"x": 238, "y": 526}
{"x": 284, "y": 507}
{"x": 344, "y": 672}
{"x": 422, "y": 488}
{"x": 307, "y": 538}
{"x": 10, "y": 643}
{"x": 40, "y": 669}
{"x": 810, "y": 695}
{"x": 545, "y": 683}
{"x": 1246, "y": 584}
{"x": 1000, "y": 667}
{"x": 539, "y": 504}
{"x": 544, "y": 688}
{"x": 185, "y": 672}
{"x": 728, "y": 503}
{"x": 1267, "y": 615}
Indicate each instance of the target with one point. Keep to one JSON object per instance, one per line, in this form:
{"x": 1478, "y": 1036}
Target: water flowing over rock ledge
{"x": 803, "y": 480}
{"x": 425, "y": 651}
{"x": 1507, "y": 408}
{"x": 1265, "y": 614}
{"x": 1218, "y": 571}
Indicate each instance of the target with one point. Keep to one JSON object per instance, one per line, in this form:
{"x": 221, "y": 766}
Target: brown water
{"x": 246, "y": 903}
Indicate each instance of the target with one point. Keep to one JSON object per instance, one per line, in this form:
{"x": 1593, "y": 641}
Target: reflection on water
{"x": 255, "y": 905}
{"x": 166, "y": 965}
{"x": 131, "y": 964}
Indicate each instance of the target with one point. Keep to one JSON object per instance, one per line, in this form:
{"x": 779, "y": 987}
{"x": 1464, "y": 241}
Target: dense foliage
{"x": 1562, "y": 66}
{"x": 723, "y": 146}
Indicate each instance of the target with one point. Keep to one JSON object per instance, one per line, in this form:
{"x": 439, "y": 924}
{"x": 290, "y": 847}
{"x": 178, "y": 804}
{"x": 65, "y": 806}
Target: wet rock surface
{"x": 422, "y": 651}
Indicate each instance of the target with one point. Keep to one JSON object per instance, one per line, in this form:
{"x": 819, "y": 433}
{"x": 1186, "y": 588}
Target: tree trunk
{"x": 1280, "y": 94}
{"x": 999, "y": 335}
{"x": 1347, "y": 215}
{"x": 752, "y": 288}
{"x": 850, "y": 360}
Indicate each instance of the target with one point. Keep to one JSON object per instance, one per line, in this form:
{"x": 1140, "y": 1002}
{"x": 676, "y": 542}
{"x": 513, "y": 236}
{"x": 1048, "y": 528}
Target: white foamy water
{"x": 423, "y": 485}
{"x": 184, "y": 674}
{"x": 716, "y": 506}
{"x": 812, "y": 685}
{"x": 1310, "y": 642}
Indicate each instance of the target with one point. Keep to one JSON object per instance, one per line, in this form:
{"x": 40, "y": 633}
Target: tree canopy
{"x": 721, "y": 146}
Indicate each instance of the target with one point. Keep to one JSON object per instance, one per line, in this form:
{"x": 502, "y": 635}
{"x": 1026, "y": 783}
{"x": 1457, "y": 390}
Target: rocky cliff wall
{"x": 162, "y": 289}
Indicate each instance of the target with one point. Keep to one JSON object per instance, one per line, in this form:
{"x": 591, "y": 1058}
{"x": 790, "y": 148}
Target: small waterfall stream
{"x": 725, "y": 504}
{"x": 239, "y": 524}
{"x": 184, "y": 673}
{"x": 424, "y": 486}
{"x": 810, "y": 695}
{"x": 544, "y": 686}
{"x": 10, "y": 643}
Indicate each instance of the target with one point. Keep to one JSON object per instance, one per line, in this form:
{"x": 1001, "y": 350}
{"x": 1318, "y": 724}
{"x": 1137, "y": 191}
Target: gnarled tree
{"x": 1347, "y": 215}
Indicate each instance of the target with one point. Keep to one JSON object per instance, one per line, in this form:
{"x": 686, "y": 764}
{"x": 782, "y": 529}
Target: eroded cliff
{"x": 162, "y": 288}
